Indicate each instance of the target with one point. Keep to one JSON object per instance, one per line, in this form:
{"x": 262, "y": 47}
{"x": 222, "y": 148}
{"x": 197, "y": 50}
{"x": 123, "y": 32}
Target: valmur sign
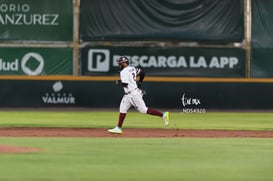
{"x": 167, "y": 61}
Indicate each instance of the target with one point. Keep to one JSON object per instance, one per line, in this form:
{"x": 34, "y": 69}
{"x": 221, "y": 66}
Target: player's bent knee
{"x": 122, "y": 111}
{"x": 143, "y": 110}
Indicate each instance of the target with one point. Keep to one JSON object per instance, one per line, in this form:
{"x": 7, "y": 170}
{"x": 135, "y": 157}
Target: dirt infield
{"x": 131, "y": 133}
{"x": 127, "y": 133}
{"x": 17, "y": 149}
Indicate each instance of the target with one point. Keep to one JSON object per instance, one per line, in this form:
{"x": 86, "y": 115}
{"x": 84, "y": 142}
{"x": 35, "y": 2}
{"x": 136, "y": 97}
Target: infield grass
{"x": 123, "y": 159}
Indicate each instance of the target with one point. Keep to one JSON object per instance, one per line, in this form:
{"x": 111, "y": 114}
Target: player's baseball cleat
{"x": 116, "y": 130}
{"x": 166, "y": 118}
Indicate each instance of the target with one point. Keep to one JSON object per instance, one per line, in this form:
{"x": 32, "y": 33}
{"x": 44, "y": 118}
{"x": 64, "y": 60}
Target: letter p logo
{"x": 98, "y": 60}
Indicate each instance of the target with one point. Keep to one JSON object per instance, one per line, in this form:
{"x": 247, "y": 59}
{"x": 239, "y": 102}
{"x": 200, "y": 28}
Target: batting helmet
{"x": 123, "y": 59}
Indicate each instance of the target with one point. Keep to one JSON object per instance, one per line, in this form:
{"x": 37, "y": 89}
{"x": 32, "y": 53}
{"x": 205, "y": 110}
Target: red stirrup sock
{"x": 154, "y": 112}
{"x": 121, "y": 119}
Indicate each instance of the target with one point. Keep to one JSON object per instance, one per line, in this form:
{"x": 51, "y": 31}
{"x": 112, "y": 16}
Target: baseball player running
{"x": 133, "y": 94}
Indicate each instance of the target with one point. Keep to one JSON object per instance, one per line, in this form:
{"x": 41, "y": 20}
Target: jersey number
{"x": 134, "y": 76}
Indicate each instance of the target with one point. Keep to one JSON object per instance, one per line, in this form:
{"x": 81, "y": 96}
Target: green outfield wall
{"x": 215, "y": 32}
{"x": 177, "y": 43}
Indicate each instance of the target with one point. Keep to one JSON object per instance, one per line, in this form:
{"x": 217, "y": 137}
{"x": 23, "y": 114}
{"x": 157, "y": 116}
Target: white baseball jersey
{"x": 133, "y": 95}
{"x": 128, "y": 75}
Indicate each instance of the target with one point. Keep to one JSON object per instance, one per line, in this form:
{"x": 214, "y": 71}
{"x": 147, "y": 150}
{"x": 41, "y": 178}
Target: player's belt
{"x": 129, "y": 92}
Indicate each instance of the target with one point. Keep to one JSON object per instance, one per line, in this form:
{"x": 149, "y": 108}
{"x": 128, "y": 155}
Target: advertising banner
{"x": 36, "y": 61}
{"x": 57, "y": 93}
{"x": 187, "y": 97}
{"x": 43, "y": 20}
{"x": 166, "y": 61}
